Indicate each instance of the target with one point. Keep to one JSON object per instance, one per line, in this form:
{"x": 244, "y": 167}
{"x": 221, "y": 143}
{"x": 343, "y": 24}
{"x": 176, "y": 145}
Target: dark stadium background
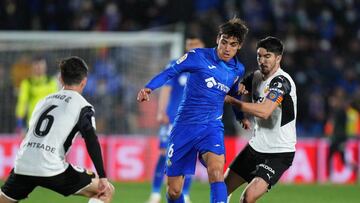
{"x": 322, "y": 53}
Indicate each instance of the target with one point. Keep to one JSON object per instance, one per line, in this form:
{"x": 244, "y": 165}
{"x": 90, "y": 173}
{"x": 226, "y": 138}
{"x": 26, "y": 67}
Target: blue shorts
{"x": 187, "y": 141}
{"x": 164, "y": 132}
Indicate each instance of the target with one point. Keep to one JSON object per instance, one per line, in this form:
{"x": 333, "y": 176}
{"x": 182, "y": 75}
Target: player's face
{"x": 39, "y": 67}
{"x": 227, "y": 47}
{"x": 268, "y": 62}
{"x": 193, "y": 43}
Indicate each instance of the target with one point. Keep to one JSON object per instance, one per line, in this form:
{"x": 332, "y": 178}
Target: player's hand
{"x": 162, "y": 118}
{"x": 242, "y": 90}
{"x": 246, "y": 123}
{"x": 229, "y": 99}
{"x": 144, "y": 95}
{"x": 105, "y": 189}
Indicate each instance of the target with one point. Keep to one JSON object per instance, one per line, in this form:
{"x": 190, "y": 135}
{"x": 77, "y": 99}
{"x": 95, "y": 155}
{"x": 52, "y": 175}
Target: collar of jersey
{"x": 222, "y": 62}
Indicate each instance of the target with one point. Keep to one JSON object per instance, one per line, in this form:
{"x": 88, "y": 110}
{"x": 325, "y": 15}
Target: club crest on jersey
{"x": 181, "y": 59}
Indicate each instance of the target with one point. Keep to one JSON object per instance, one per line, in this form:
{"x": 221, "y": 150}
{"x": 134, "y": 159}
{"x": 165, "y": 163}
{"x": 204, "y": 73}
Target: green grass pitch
{"x": 139, "y": 192}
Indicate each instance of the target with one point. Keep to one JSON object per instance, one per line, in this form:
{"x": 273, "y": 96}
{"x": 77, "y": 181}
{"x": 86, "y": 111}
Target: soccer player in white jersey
{"x": 54, "y": 124}
{"x": 271, "y": 149}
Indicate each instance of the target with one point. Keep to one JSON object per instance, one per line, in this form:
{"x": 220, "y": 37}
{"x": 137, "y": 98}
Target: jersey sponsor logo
{"x": 181, "y": 59}
{"x": 211, "y": 66}
{"x": 268, "y": 168}
{"x": 211, "y": 82}
{"x": 37, "y": 145}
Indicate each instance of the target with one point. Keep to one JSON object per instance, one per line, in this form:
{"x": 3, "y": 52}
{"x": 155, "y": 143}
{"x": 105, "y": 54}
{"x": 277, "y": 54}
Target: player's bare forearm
{"x": 262, "y": 110}
{"x": 163, "y": 103}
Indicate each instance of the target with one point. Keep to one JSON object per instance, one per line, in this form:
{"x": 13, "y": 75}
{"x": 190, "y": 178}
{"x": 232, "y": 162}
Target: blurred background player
{"x": 271, "y": 149}
{"x": 171, "y": 95}
{"x": 339, "y": 102}
{"x": 32, "y": 90}
{"x": 198, "y": 129}
{"x": 56, "y": 121}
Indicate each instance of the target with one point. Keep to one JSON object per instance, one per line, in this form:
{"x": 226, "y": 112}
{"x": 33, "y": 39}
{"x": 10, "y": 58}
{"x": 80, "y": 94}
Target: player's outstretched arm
{"x": 262, "y": 110}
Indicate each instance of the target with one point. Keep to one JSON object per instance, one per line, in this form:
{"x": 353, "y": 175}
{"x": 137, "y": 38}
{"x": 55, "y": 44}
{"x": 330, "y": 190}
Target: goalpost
{"x": 120, "y": 64}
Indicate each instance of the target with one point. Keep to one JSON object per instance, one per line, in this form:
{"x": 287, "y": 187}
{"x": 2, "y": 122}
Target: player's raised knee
{"x": 174, "y": 193}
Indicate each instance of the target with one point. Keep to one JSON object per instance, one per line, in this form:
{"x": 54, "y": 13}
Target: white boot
{"x": 154, "y": 198}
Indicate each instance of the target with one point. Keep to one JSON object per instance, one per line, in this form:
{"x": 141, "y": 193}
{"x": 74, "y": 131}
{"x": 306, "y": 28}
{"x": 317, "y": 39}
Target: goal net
{"x": 120, "y": 64}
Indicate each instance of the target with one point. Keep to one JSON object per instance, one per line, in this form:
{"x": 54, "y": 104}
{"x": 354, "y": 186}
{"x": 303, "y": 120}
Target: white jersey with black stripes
{"x": 276, "y": 134}
{"x": 52, "y": 128}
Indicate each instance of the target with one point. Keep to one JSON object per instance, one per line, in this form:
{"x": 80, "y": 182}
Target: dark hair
{"x": 73, "y": 70}
{"x": 234, "y": 28}
{"x": 271, "y": 44}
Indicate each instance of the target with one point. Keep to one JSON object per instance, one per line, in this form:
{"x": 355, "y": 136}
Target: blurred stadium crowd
{"x": 321, "y": 39}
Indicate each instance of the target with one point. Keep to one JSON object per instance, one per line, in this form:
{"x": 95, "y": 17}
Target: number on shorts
{"x": 171, "y": 151}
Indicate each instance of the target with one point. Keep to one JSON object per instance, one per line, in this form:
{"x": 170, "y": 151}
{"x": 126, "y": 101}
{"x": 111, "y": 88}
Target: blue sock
{"x": 187, "y": 184}
{"x": 178, "y": 200}
{"x": 158, "y": 174}
{"x": 218, "y": 193}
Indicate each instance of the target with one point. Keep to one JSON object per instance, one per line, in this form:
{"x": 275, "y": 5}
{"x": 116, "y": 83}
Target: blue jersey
{"x": 177, "y": 85}
{"x": 209, "y": 81}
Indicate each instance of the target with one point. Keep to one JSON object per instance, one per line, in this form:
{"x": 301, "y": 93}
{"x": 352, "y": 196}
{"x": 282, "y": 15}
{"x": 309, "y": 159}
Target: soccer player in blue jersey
{"x": 170, "y": 97}
{"x": 198, "y": 130}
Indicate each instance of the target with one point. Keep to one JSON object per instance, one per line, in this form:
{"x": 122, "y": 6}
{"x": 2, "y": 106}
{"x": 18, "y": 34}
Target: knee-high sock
{"x": 187, "y": 184}
{"x": 178, "y": 200}
{"x": 158, "y": 174}
{"x": 218, "y": 193}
